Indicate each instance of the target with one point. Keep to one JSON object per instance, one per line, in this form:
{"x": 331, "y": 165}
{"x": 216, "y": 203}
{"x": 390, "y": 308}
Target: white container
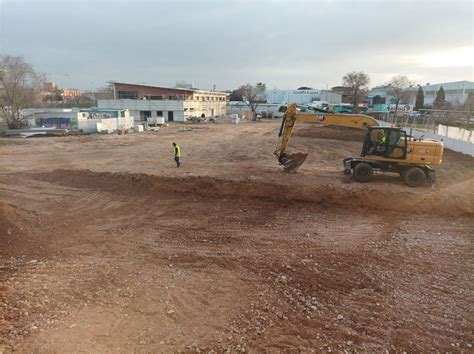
{"x": 155, "y": 120}
{"x": 138, "y": 128}
{"x": 234, "y": 118}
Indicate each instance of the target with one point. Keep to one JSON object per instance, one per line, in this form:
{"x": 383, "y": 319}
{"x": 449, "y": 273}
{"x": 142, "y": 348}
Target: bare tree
{"x": 253, "y": 95}
{"x": 20, "y": 87}
{"x": 104, "y": 92}
{"x": 357, "y": 82}
{"x": 401, "y": 88}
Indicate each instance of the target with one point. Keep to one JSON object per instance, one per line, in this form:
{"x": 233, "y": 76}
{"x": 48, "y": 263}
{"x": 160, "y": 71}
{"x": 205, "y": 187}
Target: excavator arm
{"x": 291, "y": 162}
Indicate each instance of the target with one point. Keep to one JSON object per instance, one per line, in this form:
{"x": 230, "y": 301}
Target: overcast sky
{"x": 286, "y": 44}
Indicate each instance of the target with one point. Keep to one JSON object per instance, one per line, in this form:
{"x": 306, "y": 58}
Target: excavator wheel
{"x": 363, "y": 172}
{"x": 414, "y": 177}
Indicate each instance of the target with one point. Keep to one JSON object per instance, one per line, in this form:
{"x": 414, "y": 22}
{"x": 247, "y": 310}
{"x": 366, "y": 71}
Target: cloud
{"x": 447, "y": 58}
{"x": 283, "y": 43}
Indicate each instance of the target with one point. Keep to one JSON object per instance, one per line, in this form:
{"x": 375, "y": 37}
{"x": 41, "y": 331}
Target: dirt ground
{"x": 106, "y": 246}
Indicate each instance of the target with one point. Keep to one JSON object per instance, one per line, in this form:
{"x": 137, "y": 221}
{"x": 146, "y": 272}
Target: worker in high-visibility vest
{"x": 177, "y": 154}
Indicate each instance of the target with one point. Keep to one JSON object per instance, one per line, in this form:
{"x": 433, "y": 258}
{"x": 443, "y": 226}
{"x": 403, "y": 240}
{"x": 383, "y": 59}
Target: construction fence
{"x": 456, "y": 133}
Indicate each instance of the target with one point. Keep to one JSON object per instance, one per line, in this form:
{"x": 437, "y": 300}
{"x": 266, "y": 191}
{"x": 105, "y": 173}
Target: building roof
{"x": 452, "y": 82}
{"x": 450, "y": 85}
{"x": 170, "y": 88}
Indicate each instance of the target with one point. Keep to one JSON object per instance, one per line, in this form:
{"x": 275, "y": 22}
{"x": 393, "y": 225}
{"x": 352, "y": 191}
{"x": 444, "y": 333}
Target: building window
{"x": 128, "y": 95}
{"x": 122, "y": 114}
{"x": 159, "y": 113}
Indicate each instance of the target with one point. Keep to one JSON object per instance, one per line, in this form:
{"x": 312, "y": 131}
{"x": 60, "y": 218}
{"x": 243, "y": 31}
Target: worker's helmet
{"x": 377, "y": 135}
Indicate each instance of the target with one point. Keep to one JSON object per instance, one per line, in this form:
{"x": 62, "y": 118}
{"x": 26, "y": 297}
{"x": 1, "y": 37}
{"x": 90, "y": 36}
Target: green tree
{"x": 438, "y": 102}
{"x": 420, "y": 99}
{"x": 304, "y": 88}
{"x": 469, "y": 104}
{"x": 357, "y": 82}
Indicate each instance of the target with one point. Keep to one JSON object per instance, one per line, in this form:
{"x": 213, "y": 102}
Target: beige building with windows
{"x": 173, "y": 104}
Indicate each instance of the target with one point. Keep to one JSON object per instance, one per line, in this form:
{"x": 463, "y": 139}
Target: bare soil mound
{"x": 326, "y": 196}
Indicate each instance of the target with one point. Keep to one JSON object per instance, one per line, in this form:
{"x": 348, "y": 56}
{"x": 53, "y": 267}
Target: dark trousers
{"x": 176, "y": 158}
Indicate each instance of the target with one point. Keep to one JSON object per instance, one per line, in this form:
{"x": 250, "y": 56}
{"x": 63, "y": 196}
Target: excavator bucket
{"x": 292, "y": 162}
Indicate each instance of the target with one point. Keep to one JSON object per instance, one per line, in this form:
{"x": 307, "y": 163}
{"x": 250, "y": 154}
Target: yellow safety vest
{"x": 178, "y": 153}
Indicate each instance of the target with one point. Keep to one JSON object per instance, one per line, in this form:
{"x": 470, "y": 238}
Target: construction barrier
{"x": 456, "y": 133}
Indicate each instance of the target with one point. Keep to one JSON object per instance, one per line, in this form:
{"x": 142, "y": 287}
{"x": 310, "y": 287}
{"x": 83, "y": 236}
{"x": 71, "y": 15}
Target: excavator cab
{"x": 385, "y": 142}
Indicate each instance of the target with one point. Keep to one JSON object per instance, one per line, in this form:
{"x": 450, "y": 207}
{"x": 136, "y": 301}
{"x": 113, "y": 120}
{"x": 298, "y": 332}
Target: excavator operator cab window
{"x": 385, "y": 142}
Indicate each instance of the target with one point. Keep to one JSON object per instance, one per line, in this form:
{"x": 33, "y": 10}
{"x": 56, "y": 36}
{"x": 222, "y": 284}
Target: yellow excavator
{"x": 385, "y": 149}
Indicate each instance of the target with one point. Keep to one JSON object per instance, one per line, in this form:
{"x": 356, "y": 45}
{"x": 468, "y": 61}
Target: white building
{"x": 173, "y": 104}
{"x": 455, "y": 92}
{"x": 302, "y": 96}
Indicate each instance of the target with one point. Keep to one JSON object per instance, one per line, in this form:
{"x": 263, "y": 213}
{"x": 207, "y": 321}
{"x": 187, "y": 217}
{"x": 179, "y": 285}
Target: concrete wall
{"x": 331, "y": 97}
{"x": 112, "y": 124}
{"x": 208, "y": 108}
{"x": 66, "y": 118}
{"x": 456, "y": 133}
{"x": 74, "y": 119}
